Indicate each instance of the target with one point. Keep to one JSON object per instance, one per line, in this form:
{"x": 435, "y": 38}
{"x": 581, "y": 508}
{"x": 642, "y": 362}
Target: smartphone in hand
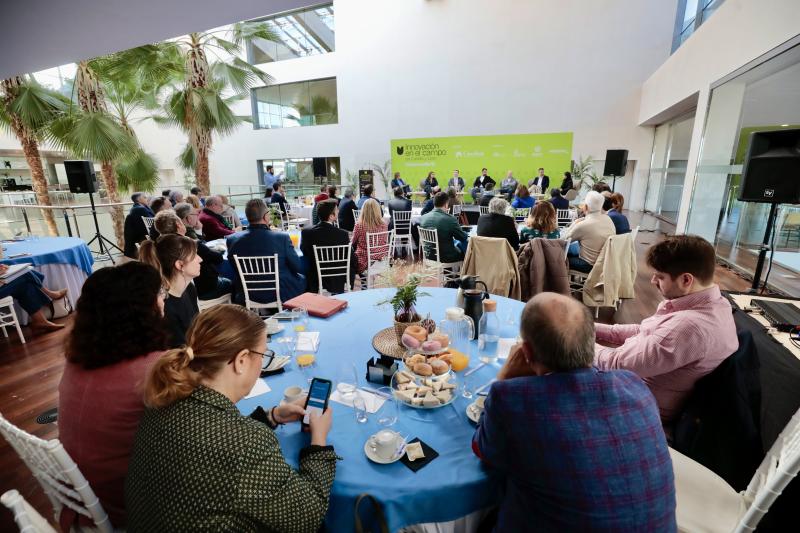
{"x": 317, "y": 399}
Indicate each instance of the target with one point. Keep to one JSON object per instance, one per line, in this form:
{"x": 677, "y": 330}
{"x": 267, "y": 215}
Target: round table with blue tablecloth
{"x": 453, "y": 485}
{"x": 66, "y": 262}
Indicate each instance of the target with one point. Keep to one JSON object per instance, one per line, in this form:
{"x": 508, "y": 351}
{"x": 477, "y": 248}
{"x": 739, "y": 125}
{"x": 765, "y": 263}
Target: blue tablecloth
{"x": 453, "y": 485}
{"x": 47, "y": 250}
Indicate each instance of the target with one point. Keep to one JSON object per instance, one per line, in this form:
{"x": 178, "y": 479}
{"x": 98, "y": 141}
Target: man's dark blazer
{"x": 486, "y": 179}
{"x": 501, "y": 226}
{"x": 543, "y": 182}
{"x": 135, "y": 230}
{"x": 397, "y": 204}
{"x": 325, "y": 234}
{"x": 346, "y": 220}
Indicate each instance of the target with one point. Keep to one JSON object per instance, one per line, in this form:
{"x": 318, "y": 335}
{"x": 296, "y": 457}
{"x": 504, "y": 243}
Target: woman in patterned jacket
{"x": 198, "y": 464}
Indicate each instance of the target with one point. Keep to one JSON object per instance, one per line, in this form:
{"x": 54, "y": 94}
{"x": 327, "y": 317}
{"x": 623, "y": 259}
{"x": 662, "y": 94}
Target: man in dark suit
{"x": 398, "y": 203}
{"x": 258, "y": 240}
{"x": 346, "y": 206}
{"x": 457, "y": 182}
{"x": 558, "y": 201}
{"x": 325, "y": 234}
{"x": 497, "y": 224}
{"x": 541, "y": 180}
{"x": 399, "y": 182}
{"x": 135, "y": 230}
{"x": 481, "y": 182}
{"x": 488, "y": 194}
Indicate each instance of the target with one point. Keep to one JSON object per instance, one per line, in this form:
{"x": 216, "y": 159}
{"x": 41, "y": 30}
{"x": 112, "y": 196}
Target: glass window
{"x": 300, "y": 33}
{"x": 306, "y": 103}
{"x": 668, "y": 168}
{"x": 691, "y": 14}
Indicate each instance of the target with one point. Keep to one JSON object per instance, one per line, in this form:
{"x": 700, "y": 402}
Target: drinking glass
{"x": 347, "y": 380}
{"x": 360, "y": 407}
{"x": 466, "y": 386}
{"x": 389, "y": 412}
{"x": 299, "y": 319}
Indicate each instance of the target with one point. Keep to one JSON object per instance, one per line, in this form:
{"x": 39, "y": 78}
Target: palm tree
{"x": 201, "y": 104}
{"x": 26, "y": 110}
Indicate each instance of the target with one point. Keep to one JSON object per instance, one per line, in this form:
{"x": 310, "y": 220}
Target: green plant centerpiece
{"x": 403, "y": 304}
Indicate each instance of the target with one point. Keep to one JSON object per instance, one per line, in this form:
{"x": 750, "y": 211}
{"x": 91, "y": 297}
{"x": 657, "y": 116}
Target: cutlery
{"x": 376, "y": 393}
{"x": 482, "y": 387}
{"x": 474, "y": 369}
{"x": 401, "y": 448}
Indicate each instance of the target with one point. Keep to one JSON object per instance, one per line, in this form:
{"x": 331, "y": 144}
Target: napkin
{"x": 258, "y": 389}
{"x": 430, "y": 455}
{"x": 308, "y": 341}
{"x": 372, "y": 401}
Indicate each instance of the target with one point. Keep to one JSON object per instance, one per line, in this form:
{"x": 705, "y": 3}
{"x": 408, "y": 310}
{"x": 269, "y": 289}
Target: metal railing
{"x": 67, "y": 212}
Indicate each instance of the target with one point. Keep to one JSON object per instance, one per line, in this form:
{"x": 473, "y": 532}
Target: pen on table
{"x": 474, "y": 369}
{"x": 480, "y": 389}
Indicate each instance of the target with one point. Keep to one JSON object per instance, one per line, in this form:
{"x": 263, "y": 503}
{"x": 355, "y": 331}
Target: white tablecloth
{"x": 416, "y": 215}
{"x": 302, "y": 211}
{"x": 58, "y": 276}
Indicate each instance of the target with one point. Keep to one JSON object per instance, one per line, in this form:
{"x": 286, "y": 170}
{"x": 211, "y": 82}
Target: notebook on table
{"x": 14, "y": 271}
{"x": 316, "y": 304}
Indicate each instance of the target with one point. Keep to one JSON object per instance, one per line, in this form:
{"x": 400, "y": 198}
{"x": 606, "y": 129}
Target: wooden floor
{"x": 29, "y": 373}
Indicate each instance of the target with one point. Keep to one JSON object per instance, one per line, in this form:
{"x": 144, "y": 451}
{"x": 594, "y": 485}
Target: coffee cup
{"x": 384, "y": 443}
{"x": 290, "y": 394}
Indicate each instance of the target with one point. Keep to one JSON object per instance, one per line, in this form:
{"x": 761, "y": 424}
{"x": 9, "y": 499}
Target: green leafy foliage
{"x": 138, "y": 171}
{"x": 405, "y": 299}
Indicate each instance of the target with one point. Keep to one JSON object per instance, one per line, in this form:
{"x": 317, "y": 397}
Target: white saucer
{"x": 473, "y": 412}
{"x": 372, "y": 456}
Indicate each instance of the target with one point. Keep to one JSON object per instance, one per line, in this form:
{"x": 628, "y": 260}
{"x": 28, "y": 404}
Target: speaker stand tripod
{"x": 613, "y": 182}
{"x": 104, "y": 244}
{"x": 764, "y": 248}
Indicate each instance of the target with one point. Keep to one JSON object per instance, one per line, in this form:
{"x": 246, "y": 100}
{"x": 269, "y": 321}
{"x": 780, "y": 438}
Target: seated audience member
{"x": 279, "y": 198}
{"x": 599, "y": 442}
{"x": 452, "y": 239}
{"x": 427, "y": 207}
{"x": 368, "y": 193}
{"x": 591, "y": 232}
{"x": 176, "y": 258}
{"x": 346, "y": 206}
{"x": 558, "y": 201}
{"x": 209, "y": 283}
{"x": 496, "y": 223}
{"x": 229, "y": 211}
{"x": 601, "y": 187}
{"x": 324, "y": 233}
{"x": 165, "y": 194}
{"x": 541, "y": 223}
{"x": 690, "y": 334}
{"x": 453, "y": 198}
{"x": 323, "y": 194}
{"x": 30, "y": 293}
{"x": 194, "y": 201}
{"x": 198, "y": 464}
{"x": 190, "y": 216}
{"x": 259, "y": 240}
{"x": 198, "y": 193}
{"x": 332, "y": 193}
{"x": 214, "y": 226}
{"x": 398, "y": 203}
{"x": 522, "y": 198}
{"x": 509, "y": 185}
{"x": 175, "y": 197}
{"x": 370, "y": 221}
{"x": 430, "y": 185}
{"x": 118, "y": 333}
{"x": 566, "y": 185}
{"x": 488, "y": 194}
{"x": 159, "y": 203}
{"x": 135, "y": 231}
{"x": 614, "y": 203}
{"x": 268, "y": 195}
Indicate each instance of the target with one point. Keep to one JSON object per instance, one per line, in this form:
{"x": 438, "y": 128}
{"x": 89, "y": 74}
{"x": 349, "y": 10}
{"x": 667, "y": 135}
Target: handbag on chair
{"x": 57, "y": 308}
{"x": 378, "y": 519}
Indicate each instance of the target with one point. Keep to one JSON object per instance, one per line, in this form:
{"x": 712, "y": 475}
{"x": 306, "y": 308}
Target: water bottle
{"x": 488, "y": 332}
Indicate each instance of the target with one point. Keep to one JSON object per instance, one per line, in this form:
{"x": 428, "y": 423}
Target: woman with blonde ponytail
{"x": 198, "y": 464}
{"x": 175, "y": 256}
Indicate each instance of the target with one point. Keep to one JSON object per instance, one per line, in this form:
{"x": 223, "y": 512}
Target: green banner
{"x": 523, "y": 154}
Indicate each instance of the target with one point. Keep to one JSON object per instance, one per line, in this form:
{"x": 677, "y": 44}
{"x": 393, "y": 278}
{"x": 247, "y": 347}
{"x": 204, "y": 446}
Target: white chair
{"x": 148, "y": 223}
{"x": 429, "y": 246}
{"x": 9, "y": 318}
{"x": 535, "y": 189}
{"x": 58, "y": 475}
{"x": 356, "y": 215}
{"x": 520, "y": 214}
{"x": 27, "y": 518}
{"x": 705, "y": 502}
{"x": 379, "y": 255}
{"x": 564, "y": 217}
{"x": 259, "y": 274}
{"x": 484, "y": 209}
{"x": 456, "y": 210}
{"x": 208, "y": 304}
{"x": 333, "y": 262}
{"x": 634, "y": 233}
{"x": 230, "y": 220}
{"x": 401, "y": 222}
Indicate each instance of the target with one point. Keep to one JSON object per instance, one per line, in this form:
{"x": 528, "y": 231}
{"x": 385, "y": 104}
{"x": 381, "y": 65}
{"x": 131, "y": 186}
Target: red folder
{"x": 316, "y": 304}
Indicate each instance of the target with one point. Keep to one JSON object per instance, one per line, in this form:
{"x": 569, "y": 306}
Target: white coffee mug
{"x": 290, "y": 394}
{"x": 384, "y": 443}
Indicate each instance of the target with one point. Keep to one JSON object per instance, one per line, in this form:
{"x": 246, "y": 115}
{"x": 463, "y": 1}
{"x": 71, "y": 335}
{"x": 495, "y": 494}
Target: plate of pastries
{"x": 425, "y": 338}
{"x": 423, "y": 392}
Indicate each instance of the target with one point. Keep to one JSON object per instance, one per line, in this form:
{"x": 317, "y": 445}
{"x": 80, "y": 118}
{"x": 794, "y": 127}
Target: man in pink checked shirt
{"x": 690, "y": 334}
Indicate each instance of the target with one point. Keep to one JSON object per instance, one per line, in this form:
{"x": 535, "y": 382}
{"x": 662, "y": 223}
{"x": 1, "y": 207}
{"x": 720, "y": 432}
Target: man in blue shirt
{"x": 581, "y": 449}
{"x": 269, "y": 177}
{"x": 369, "y": 192}
{"x": 558, "y": 201}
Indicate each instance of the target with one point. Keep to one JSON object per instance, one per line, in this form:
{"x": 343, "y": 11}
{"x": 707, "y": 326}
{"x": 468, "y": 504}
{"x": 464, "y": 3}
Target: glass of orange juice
{"x": 299, "y": 319}
{"x": 295, "y": 237}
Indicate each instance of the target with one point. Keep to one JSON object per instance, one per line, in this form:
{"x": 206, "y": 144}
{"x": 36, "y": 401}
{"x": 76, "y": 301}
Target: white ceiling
{"x": 39, "y": 34}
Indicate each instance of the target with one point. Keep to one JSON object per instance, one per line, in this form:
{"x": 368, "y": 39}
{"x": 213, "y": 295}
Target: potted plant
{"x": 403, "y": 304}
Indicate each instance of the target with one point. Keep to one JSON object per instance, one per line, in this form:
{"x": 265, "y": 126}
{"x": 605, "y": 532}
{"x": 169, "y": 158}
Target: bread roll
{"x": 439, "y": 367}
{"x": 423, "y": 369}
{"x": 418, "y": 332}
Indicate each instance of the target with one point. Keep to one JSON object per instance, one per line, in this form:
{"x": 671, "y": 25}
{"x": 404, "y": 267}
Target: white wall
{"x": 739, "y": 32}
{"x": 417, "y": 68}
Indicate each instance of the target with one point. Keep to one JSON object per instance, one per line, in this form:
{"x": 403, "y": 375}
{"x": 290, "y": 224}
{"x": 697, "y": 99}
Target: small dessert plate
{"x": 474, "y": 412}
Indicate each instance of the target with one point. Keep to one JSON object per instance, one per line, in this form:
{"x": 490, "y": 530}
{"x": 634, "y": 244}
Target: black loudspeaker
{"x": 771, "y": 171}
{"x": 80, "y": 175}
{"x": 616, "y": 163}
{"x": 320, "y": 168}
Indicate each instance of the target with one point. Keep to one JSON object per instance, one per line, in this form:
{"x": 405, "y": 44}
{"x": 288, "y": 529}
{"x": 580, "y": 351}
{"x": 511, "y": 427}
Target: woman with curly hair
{"x": 118, "y": 333}
{"x": 541, "y": 223}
